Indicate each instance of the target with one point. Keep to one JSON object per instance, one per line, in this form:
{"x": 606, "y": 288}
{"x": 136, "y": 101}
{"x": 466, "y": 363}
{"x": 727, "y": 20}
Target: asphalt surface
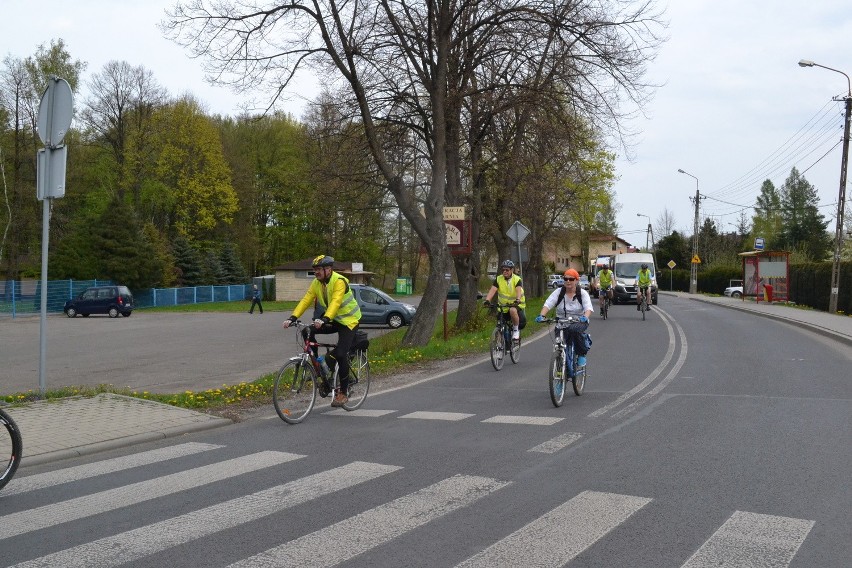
{"x": 55, "y": 430}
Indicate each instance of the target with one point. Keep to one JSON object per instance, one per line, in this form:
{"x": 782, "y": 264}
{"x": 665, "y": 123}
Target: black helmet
{"x": 507, "y": 264}
{"x": 322, "y": 260}
{"x": 644, "y": 265}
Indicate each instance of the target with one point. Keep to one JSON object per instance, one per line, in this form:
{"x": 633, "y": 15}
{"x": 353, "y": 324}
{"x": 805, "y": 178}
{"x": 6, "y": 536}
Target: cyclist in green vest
{"x": 331, "y": 292}
{"x": 510, "y": 290}
{"x": 643, "y": 283}
{"x": 605, "y": 277}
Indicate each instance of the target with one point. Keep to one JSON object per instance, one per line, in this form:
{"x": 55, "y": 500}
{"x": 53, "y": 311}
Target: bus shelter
{"x": 766, "y": 275}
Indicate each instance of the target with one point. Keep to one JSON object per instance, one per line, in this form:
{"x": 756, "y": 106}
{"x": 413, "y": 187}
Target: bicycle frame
{"x": 501, "y": 337}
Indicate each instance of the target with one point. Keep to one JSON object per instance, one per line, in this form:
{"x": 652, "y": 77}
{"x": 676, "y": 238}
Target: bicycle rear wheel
{"x": 498, "y": 348}
{"x": 556, "y": 381}
{"x": 294, "y": 392}
{"x": 11, "y": 448}
{"x": 359, "y": 380}
{"x": 606, "y": 308}
{"x": 644, "y": 308}
{"x": 579, "y": 380}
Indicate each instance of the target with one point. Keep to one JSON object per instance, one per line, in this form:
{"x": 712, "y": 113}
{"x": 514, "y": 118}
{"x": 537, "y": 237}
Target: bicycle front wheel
{"x": 295, "y": 391}
{"x": 556, "y": 381}
{"x": 11, "y": 448}
{"x": 515, "y": 350}
{"x": 579, "y": 380}
{"x": 498, "y": 348}
{"x": 644, "y": 309}
{"x": 359, "y": 380}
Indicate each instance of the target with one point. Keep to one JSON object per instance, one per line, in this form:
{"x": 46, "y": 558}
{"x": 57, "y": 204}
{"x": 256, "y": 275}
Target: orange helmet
{"x": 573, "y": 273}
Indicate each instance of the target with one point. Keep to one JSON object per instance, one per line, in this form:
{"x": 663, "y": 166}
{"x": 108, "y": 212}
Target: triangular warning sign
{"x": 695, "y": 259}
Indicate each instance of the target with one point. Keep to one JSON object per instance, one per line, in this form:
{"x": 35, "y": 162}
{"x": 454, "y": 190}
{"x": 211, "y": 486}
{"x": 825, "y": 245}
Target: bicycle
{"x": 564, "y": 362}
{"x": 643, "y": 303}
{"x": 605, "y": 302}
{"x": 12, "y": 446}
{"x": 294, "y": 392}
{"x": 502, "y": 336}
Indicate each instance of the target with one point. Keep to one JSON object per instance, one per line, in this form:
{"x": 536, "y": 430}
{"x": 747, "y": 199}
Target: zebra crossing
{"x": 743, "y": 539}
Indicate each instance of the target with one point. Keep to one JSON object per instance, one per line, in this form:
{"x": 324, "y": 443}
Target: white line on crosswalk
{"x": 49, "y": 515}
{"x": 144, "y": 541}
{"x": 597, "y": 513}
{"x": 555, "y": 444}
{"x": 752, "y": 539}
{"x": 377, "y": 526}
{"x": 361, "y": 412}
{"x": 424, "y": 415}
{"x": 532, "y": 420}
{"x": 85, "y": 471}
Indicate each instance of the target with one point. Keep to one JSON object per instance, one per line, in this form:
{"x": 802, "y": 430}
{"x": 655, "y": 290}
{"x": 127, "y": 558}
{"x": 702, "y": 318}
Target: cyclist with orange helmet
{"x": 331, "y": 291}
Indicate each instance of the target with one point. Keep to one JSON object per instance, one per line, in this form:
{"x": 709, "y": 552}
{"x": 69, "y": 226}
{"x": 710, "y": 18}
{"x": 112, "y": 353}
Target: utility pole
{"x": 693, "y": 272}
{"x": 841, "y": 197}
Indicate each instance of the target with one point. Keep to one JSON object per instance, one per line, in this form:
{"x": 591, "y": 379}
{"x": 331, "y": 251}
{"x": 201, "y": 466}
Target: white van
{"x": 625, "y": 267}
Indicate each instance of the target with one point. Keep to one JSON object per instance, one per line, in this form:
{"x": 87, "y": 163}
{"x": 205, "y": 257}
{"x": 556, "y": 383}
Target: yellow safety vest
{"x": 506, "y": 290}
{"x": 644, "y": 278}
{"x": 340, "y": 307}
{"x": 606, "y": 277}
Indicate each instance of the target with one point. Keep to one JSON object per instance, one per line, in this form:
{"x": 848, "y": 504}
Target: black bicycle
{"x": 294, "y": 392}
{"x": 501, "y": 337}
{"x": 605, "y": 302}
{"x": 11, "y": 447}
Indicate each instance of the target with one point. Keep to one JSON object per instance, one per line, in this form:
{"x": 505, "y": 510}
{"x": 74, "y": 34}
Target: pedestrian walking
{"x": 255, "y": 299}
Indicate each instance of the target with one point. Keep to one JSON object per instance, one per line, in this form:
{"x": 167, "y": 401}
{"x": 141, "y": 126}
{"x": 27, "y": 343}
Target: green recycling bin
{"x": 403, "y": 285}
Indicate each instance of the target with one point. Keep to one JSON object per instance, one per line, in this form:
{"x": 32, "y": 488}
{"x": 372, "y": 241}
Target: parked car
{"x": 377, "y": 308}
{"x": 584, "y": 282}
{"x": 111, "y": 300}
{"x": 734, "y": 291}
{"x": 453, "y": 293}
{"x": 554, "y": 281}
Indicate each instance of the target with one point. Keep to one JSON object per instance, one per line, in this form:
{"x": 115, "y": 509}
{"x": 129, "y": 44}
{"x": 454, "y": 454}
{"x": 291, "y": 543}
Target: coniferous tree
{"x": 212, "y": 272}
{"x": 188, "y": 271}
{"x": 232, "y": 270}
{"x": 767, "y": 221}
{"x": 804, "y": 226}
{"x": 126, "y": 254}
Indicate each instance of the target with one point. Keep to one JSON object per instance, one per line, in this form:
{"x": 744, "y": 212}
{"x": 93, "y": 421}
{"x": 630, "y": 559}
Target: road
{"x": 705, "y": 437}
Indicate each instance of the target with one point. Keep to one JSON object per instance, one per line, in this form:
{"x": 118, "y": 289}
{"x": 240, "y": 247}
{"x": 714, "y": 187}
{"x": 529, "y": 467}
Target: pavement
{"x": 58, "y": 429}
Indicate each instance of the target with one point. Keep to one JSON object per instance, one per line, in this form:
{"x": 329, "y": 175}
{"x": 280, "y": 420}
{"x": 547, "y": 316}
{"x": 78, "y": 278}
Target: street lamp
{"x": 841, "y": 198}
{"x": 693, "y": 271}
{"x": 647, "y": 230}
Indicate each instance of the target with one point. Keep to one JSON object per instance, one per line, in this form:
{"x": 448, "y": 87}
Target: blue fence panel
{"x": 23, "y": 298}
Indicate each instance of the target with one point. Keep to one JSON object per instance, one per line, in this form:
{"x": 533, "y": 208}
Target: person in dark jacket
{"x": 255, "y": 299}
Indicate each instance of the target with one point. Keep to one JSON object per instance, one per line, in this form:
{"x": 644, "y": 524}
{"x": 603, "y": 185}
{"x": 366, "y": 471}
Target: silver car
{"x": 377, "y": 308}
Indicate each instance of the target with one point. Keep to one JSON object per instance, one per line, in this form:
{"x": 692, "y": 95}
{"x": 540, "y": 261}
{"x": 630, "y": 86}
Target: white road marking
{"x": 377, "y": 526}
{"x": 423, "y": 415}
{"x": 545, "y": 542}
{"x": 86, "y": 471}
{"x": 147, "y": 540}
{"x": 532, "y": 420}
{"x": 752, "y": 539}
{"x": 555, "y": 444}
{"x": 50, "y": 515}
{"x": 361, "y": 412}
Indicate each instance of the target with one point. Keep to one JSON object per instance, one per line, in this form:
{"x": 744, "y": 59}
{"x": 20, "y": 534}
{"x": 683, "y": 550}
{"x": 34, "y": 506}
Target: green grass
{"x": 222, "y": 307}
{"x": 387, "y": 357}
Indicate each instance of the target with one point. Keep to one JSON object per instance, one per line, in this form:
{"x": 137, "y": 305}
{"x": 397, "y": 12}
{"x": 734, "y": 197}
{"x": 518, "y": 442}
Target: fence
{"x": 23, "y": 297}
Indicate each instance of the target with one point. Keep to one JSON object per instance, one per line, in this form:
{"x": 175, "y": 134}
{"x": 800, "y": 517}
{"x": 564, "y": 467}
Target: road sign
{"x": 671, "y": 264}
{"x": 695, "y": 259}
{"x": 50, "y": 179}
{"x": 55, "y": 112}
{"x": 518, "y": 232}
{"x": 454, "y": 213}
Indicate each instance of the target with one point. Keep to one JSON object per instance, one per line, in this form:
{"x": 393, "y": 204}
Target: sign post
{"x": 518, "y": 232}
{"x": 55, "y": 112}
{"x": 671, "y": 266}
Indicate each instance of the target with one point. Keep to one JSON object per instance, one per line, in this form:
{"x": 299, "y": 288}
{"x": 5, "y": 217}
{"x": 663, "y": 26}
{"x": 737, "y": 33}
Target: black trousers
{"x": 340, "y": 354}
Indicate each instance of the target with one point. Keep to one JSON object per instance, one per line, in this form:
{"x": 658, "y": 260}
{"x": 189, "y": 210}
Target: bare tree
{"x": 414, "y": 64}
{"x": 665, "y": 223}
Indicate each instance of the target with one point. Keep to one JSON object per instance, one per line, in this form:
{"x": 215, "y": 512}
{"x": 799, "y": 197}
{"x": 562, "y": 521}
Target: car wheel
{"x": 71, "y": 313}
{"x": 395, "y": 320}
{"x": 113, "y": 312}
{"x": 736, "y": 294}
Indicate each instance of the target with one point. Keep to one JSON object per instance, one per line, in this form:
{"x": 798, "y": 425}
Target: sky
{"x": 732, "y": 108}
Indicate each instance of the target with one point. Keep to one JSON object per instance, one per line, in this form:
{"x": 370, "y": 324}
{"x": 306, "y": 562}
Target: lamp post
{"x": 647, "y": 230}
{"x": 841, "y": 198}
{"x": 693, "y": 271}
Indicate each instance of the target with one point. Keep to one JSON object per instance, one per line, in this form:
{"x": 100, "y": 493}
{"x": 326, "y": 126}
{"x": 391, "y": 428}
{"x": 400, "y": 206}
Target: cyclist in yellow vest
{"x": 643, "y": 283}
{"x": 510, "y": 289}
{"x": 604, "y": 285}
{"x": 332, "y": 292}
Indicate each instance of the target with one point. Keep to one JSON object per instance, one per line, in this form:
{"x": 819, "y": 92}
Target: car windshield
{"x": 630, "y": 269}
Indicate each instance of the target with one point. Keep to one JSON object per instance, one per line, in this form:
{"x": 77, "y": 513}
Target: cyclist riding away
{"x": 571, "y": 300}
{"x": 510, "y": 289}
{"x": 332, "y": 293}
{"x": 643, "y": 283}
{"x": 605, "y": 281}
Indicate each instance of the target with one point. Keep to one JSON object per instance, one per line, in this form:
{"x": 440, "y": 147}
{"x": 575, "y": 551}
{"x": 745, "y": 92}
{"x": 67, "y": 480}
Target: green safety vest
{"x": 506, "y": 290}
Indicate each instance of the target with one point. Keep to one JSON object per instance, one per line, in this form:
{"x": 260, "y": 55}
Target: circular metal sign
{"x": 55, "y": 112}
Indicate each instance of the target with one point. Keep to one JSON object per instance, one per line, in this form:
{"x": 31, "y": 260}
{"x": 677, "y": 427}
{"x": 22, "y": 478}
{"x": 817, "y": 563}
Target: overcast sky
{"x": 734, "y": 107}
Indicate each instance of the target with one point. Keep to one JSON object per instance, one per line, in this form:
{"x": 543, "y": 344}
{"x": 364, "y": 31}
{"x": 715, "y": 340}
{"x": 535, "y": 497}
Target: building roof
{"x": 339, "y": 266}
